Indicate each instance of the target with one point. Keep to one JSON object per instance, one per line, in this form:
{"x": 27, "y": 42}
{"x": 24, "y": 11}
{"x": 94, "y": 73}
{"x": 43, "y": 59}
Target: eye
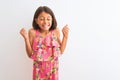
{"x": 41, "y": 19}
{"x": 48, "y": 19}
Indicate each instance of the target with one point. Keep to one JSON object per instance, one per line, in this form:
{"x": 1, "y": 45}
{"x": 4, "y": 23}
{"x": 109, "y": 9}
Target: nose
{"x": 45, "y": 21}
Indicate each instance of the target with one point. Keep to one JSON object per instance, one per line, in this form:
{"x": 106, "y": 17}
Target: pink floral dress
{"x": 45, "y": 56}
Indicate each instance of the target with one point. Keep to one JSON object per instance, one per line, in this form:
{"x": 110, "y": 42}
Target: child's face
{"x": 44, "y": 21}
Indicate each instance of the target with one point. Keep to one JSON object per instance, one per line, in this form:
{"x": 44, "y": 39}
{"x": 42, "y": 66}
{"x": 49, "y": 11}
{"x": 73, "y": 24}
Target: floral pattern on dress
{"x": 45, "y": 55}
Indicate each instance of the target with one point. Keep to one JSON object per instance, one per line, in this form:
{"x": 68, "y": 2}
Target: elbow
{"x": 29, "y": 54}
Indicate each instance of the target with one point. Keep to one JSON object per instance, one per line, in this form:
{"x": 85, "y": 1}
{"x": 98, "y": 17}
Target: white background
{"x": 93, "y": 49}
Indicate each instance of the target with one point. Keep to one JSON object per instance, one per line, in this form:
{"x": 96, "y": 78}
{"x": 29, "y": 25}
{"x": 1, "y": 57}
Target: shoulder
{"x": 56, "y": 32}
{"x": 31, "y": 32}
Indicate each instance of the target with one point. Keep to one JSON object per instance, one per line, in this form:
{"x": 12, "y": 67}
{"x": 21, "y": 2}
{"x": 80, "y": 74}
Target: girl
{"x": 43, "y": 44}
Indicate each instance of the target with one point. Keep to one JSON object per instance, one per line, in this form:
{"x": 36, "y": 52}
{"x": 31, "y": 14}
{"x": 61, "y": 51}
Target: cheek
{"x": 51, "y": 22}
{"x": 40, "y": 22}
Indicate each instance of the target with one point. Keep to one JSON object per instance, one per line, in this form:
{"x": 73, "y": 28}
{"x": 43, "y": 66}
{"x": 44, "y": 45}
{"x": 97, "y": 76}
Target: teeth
{"x": 46, "y": 26}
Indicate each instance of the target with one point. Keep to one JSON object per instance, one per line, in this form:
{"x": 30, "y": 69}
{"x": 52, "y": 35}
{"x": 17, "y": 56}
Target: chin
{"x": 46, "y": 29}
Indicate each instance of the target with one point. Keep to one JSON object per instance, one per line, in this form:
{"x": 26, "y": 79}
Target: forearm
{"x": 63, "y": 44}
{"x": 28, "y": 47}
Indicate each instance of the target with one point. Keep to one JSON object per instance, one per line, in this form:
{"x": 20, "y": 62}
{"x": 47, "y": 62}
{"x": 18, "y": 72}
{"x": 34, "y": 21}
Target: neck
{"x": 44, "y": 32}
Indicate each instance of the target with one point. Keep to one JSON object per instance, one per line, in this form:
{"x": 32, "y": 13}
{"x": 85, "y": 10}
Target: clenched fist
{"x": 24, "y": 33}
{"x": 65, "y": 31}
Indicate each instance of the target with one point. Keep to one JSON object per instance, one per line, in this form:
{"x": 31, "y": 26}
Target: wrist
{"x": 65, "y": 37}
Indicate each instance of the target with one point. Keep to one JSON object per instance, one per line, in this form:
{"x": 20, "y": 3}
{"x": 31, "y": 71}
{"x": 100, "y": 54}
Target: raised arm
{"x": 28, "y": 38}
{"x": 63, "y": 43}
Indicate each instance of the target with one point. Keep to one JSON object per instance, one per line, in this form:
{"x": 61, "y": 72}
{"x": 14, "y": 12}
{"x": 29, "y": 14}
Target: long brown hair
{"x": 47, "y": 10}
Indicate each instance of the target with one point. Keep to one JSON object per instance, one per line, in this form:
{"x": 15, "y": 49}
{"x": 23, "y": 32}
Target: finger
{"x": 65, "y": 31}
{"x": 66, "y": 28}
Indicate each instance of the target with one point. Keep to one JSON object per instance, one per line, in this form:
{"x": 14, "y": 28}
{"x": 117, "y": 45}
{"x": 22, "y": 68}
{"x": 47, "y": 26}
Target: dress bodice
{"x": 45, "y": 48}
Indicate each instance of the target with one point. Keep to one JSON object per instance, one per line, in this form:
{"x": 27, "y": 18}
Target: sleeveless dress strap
{"x": 52, "y": 34}
{"x": 35, "y": 41}
{"x": 37, "y": 33}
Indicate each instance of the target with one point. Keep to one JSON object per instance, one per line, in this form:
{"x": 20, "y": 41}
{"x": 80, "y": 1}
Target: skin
{"x": 44, "y": 21}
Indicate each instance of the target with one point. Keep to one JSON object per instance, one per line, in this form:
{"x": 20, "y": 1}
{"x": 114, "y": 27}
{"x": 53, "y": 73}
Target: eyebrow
{"x": 44, "y": 17}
